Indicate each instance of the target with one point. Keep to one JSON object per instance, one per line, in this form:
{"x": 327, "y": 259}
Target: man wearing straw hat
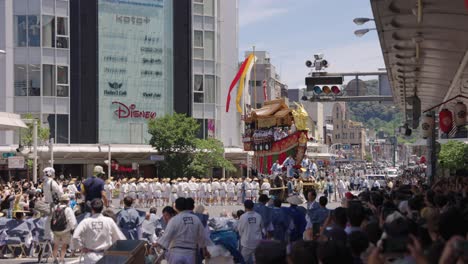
{"x": 123, "y": 191}
{"x": 266, "y": 186}
{"x": 132, "y": 188}
{"x": 255, "y": 186}
{"x": 230, "y": 189}
{"x": 166, "y": 191}
{"x": 222, "y": 191}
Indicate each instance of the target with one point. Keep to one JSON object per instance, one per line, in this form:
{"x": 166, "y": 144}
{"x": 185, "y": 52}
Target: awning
{"x": 425, "y": 50}
{"x": 9, "y": 121}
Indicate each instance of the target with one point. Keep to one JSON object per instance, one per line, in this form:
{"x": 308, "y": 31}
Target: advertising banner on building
{"x": 135, "y": 67}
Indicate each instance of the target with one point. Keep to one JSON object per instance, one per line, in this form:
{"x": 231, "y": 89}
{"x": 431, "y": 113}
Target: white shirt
{"x": 46, "y": 189}
{"x": 97, "y": 233}
{"x": 266, "y": 186}
{"x": 230, "y": 187}
{"x": 183, "y": 232}
{"x": 250, "y": 229}
{"x": 215, "y": 186}
{"x": 255, "y": 186}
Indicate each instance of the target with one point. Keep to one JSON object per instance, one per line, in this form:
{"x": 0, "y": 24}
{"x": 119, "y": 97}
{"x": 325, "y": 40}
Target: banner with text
{"x": 135, "y": 67}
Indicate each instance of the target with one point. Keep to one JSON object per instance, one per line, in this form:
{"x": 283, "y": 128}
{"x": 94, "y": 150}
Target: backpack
{"x": 58, "y": 221}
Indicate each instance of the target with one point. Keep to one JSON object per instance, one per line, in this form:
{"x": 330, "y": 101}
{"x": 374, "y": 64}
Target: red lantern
{"x": 445, "y": 120}
{"x": 422, "y": 160}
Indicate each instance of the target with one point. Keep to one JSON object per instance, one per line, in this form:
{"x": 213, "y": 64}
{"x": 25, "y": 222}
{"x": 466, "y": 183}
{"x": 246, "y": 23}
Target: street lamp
{"x": 361, "y": 20}
{"x": 362, "y": 32}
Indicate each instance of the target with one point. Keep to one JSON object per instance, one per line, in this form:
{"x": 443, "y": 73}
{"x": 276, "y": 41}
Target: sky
{"x": 292, "y": 31}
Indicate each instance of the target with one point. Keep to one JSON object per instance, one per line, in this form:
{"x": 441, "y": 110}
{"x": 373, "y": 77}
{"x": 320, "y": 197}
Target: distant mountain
{"x": 365, "y": 111}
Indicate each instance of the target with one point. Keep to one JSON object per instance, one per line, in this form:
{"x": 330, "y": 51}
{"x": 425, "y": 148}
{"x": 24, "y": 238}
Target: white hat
{"x": 98, "y": 170}
{"x": 49, "y": 172}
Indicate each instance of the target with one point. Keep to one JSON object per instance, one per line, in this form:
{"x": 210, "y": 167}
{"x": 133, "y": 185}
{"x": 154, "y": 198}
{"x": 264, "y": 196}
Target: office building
{"x": 266, "y": 83}
{"x": 349, "y": 137}
{"x": 35, "y": 69}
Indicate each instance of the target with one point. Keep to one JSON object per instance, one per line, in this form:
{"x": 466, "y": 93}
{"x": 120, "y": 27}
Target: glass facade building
{"x": 135, "y": 67}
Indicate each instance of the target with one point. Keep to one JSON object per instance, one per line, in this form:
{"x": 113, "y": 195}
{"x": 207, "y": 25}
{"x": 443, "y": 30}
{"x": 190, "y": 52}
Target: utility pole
{"x": 51, "y": 148}
{"x": 35, "y": 151}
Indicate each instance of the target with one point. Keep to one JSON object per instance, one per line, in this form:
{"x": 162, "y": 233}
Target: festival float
{"x": 275, "y": 132}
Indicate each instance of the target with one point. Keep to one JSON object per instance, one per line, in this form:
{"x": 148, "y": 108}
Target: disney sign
{"x": 130, "y": 111}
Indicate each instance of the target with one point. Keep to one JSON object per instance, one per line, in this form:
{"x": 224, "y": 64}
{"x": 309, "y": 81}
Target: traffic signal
{"x": 325, "y": 90}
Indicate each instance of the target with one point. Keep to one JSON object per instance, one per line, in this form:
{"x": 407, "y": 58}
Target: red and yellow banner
{"x": 243, "y": 77}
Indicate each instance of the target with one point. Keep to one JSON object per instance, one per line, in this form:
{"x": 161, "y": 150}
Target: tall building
{"x": 122, "y": 65}
{"x": 214, "y": 65}
{"x": 348, "y": 136}
{"x": 35, "y": 70}
{"x": 266, "y": 84}
{"x": 152, "y": 58}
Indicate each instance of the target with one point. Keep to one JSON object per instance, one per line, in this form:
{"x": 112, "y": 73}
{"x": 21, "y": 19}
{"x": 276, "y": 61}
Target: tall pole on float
{"x": 255, "y": 98}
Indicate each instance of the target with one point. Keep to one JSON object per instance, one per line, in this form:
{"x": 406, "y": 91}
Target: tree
{"x": 368, "y": 158}
{"x": 174, "y": 136}
{"x": 26, "y": 135}
{"x": 209, "y": 155}
{"x": 454, "y": 155}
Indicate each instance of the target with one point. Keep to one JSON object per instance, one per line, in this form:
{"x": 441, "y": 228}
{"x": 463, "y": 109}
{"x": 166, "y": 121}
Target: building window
{"x": 209, "y": 45}
{"x": 27, "y": 31}
{"x": 62, "y": 81}
{"x": 209, "y": 89}
{"x": 21, "y": 78}
{"x": 34, "y": 31}
{"x": 48, "y": 31}
{"x": 198, "y": 83}
{"x": 351, "y": 135}
{"x": 209, "y": 8}
{"x": 198, "y": 38}
{"x": 34, "y": 79}
{"x": 198, "y": 53}
{"x": 198, "y": 97}
{"x": 21, "y": 39}
{"x": 62, "y": 129}
{"x": 62, "y": 32}
{"x": 62, "y": 74}
{"x": 345, "y": 135}
{"x": 344, "y": 126}
{"x": 197, "y": 9}
{"x": 48, "y": 80}
{"x": 337, "y": 114}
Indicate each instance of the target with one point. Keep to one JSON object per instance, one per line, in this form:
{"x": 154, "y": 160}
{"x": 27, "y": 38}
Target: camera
{"x": 318, "y": 56}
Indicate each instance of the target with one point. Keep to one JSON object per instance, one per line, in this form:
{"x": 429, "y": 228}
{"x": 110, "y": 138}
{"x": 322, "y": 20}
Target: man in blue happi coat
{"x": 129, "y": 220}
{"x": 280, "y": 221}
{"x": 262, "y": 209}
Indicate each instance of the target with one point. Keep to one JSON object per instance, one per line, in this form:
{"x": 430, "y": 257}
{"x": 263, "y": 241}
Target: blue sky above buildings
{"x": 292, "y": 31}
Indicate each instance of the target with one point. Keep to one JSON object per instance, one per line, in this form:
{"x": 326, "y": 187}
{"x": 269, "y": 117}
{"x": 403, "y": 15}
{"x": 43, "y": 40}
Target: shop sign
{"x": 130, "y": 111}
{"x": 16, "y": 162}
